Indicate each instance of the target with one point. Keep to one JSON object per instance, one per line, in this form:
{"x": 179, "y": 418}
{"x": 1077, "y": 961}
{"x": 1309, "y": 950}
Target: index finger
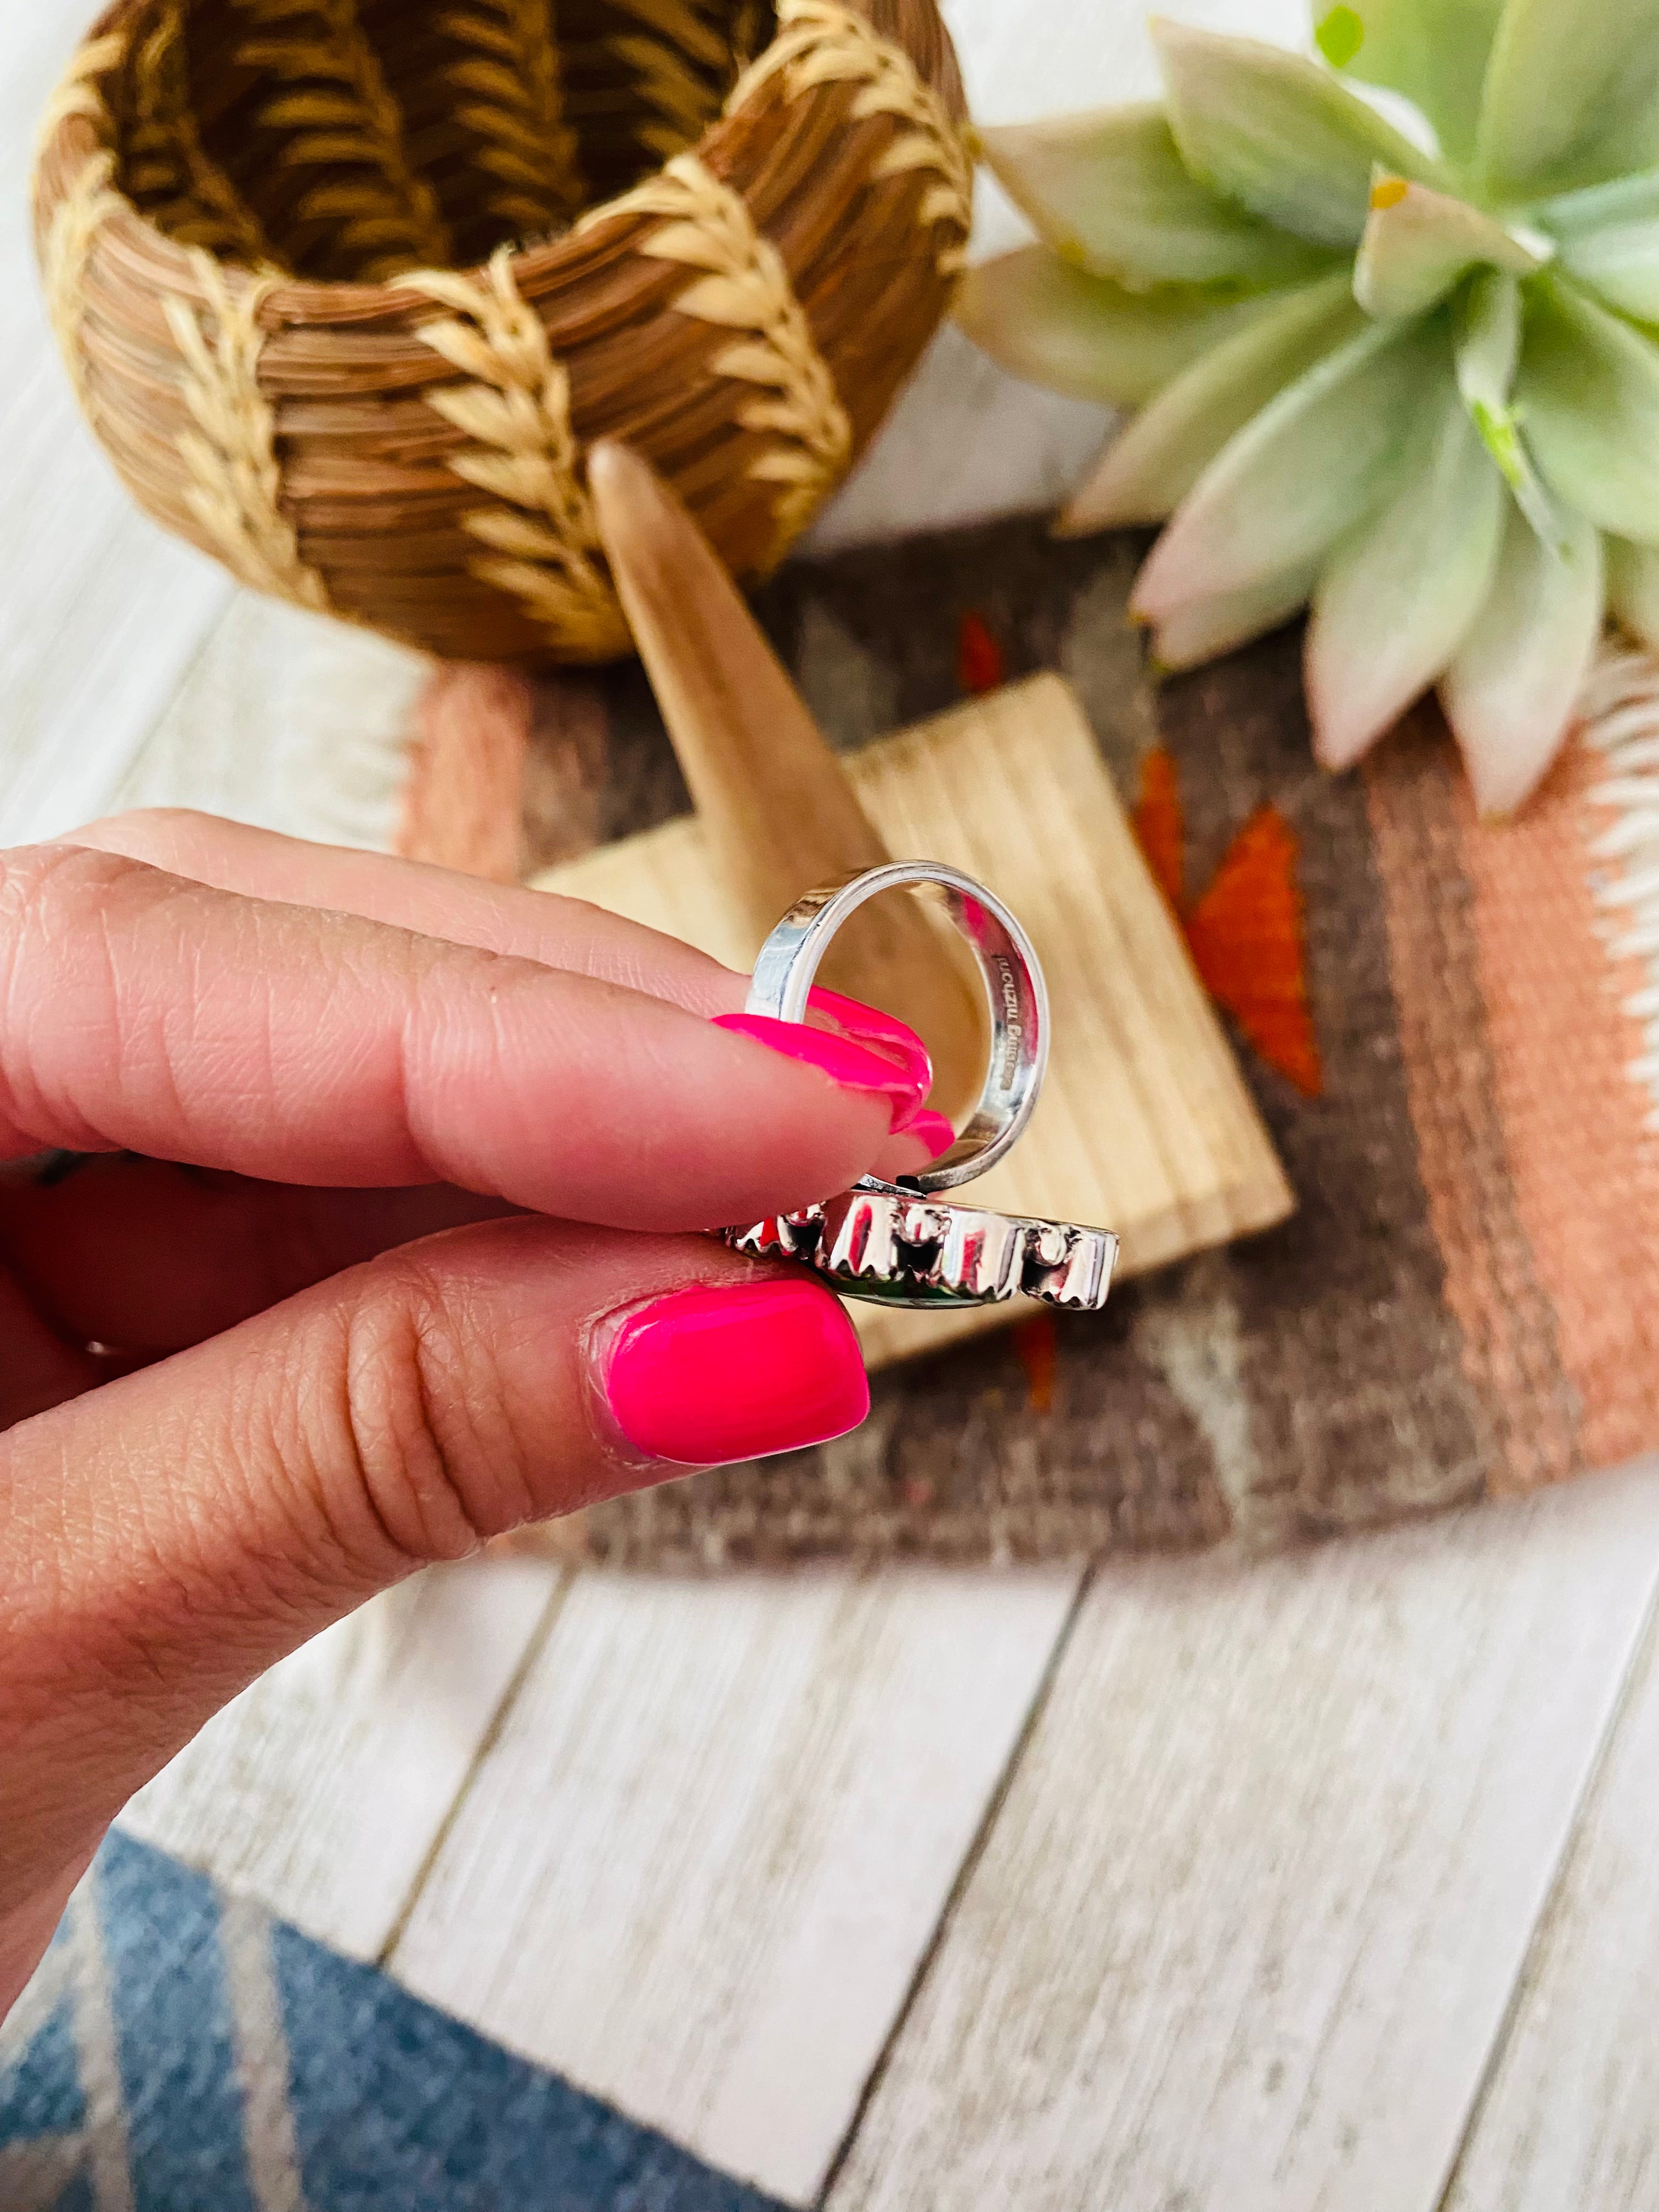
{"x": 150, "y": 1013}
{"x": 561, "y": 933}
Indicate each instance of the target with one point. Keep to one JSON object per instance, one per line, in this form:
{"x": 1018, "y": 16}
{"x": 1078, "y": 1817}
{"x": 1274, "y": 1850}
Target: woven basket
{"x": 284, "y": 249}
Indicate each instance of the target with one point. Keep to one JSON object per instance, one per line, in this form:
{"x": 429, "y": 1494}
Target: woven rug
{"x": 180, "y": 2051}
{"x": 1444, "y": 1024}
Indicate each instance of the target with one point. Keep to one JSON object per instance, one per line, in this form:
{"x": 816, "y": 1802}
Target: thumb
{"x": 165, "y": 1538}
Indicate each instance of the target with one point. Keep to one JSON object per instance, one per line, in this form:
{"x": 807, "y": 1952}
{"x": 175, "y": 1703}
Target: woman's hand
{"x": 386, "y": 1250}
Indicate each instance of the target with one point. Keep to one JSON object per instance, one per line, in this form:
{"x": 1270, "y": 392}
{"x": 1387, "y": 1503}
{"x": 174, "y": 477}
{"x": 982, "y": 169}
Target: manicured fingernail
{"x": 872, "y": 1026}
{"x": 933, "y": 1130}
{"x": 854, "y": 1066}
{"x": 705, "y": 1376}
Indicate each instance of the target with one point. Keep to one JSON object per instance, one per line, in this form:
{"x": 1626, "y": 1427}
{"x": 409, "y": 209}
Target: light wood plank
{"x": 289, "y": 720}
{"x": 1571, "y": 2116}
{"x": 100, "y": 613}
{"x": 323, "y": 1788}
{"x": 1146, "y": 1126}
{"x": 1245, "y": 1931}
{"x": 698, "y": 1866}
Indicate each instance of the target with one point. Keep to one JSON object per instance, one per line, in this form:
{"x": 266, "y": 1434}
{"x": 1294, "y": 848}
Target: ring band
{"x": 1014, "y": 990}
{"x": 882, "y": 1243}
{"x": 898, "y": 1243}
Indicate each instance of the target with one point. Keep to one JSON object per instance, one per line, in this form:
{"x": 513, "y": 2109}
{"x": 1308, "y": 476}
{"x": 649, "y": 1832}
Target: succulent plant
{"x": 1408, "y": 376}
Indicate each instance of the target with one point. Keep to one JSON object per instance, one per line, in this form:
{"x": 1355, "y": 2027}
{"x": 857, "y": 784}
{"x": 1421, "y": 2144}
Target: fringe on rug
{"x": 1619, "y": 719}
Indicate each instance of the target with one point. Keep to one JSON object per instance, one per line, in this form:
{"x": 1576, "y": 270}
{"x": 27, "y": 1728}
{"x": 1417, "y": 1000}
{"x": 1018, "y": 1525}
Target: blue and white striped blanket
{"x": 180, "y": 2051}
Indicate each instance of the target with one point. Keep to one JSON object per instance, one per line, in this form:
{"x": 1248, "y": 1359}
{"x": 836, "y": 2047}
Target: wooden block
{"x": 778, "y": 813}
{"x": 1146, "y": 1126}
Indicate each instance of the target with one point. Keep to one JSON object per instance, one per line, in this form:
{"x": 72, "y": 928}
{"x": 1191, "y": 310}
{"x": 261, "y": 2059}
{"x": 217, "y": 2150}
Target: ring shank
{"x": 1015, "y": 992}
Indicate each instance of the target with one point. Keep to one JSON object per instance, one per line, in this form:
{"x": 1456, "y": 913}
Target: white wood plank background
{"x": 288, "y": 721}
{"x": 324, "y": 1789}
{"x": 700, "y": 1865}
{"x": 1245, "y": 1929}
{"x": 1248, "y": 1932}
{"x": 100, "y": 614}
{"x": 1569, "y": 2116}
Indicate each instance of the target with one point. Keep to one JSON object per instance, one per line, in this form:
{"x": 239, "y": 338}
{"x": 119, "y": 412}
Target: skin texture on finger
{"x": 165, "y": 1538}
{"x": 144, "y": 1011}
{"x": 153, "y": 1257}
{"x": 540, "y": 925}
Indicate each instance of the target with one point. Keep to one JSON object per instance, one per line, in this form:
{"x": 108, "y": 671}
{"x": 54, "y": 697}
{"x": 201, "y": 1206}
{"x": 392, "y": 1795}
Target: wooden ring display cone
{"x": 777, "y": 808}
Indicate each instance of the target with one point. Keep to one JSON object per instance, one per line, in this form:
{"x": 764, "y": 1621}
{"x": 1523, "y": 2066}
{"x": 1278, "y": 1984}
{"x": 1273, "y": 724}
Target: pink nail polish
{"x": 872, "y": 1026}
{"x": 933, "y": 1130}
{"x": 853, "y": 1066}
{"x": 705, "y": 1376}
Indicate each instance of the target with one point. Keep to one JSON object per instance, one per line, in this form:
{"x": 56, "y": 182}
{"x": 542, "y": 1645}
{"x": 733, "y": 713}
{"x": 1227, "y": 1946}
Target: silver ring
{"x": 1014, "y": 990}
{"x": 887, "y": 1245}
{"x": 896, "y": 1243}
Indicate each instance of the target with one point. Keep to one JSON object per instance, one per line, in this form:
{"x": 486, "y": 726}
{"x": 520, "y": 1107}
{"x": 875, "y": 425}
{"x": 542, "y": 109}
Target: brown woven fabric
{"x": 1464, "y": 1301}
{"x": 1505, "y": 1324}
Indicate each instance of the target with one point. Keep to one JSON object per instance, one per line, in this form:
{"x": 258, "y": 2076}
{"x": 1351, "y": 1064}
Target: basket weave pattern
{"x": 347, "y": 287}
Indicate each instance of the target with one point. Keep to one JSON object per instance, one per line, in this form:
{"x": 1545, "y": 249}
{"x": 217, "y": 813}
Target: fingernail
{"x": 873, "y": 1026}
{"x": 933, "y": 1130}
{"x": 852, "y": 1066}
{"x": 706, "y": 1377}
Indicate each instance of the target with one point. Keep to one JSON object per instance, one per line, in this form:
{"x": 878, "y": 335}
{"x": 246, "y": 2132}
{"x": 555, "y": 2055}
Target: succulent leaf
{"x": 1510, "y": 691}
{"x": 1486, "y": 338}
{"x": 1208, "y": 626}
{"x": 1294, "y": 480}
{"x": 1609, "y": 241}
{"x": 1486, "y": 348}
{"x": 1151, "y": 466}
{"x": 1109, "y": 190}
{"x": 1278, "y": 133}
{"x": 1434, "y": 51}
{"x": 1042, "y": 319}
{"x": 1571, "y": 95}
{"x": 1402, "y": 590}
{"x": 1418, "y": 243}
{"x": 1588, "y": 393}
{"x": 1421, "y": 392}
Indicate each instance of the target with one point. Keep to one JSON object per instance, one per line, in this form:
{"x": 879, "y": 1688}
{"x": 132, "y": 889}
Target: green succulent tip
{"x": 1501, "y": 436}
{"x": 1339, "y": 36}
